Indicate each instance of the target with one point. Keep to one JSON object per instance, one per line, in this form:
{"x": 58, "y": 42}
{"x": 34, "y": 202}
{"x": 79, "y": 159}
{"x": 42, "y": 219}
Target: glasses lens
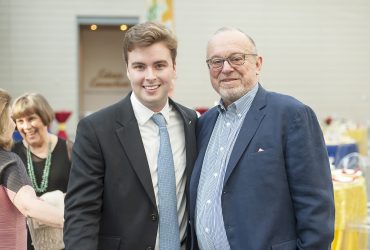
{"x": 236, "y": 59}
{"x": 216, "y": 63}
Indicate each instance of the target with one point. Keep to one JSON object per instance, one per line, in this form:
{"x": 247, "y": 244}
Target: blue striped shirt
{"x": 209, "y": 222}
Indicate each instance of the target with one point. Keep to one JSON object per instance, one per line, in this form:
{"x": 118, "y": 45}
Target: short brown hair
{"x": 146, "y": 34}
{"x": 5, "y": 143}
{"x": 33, "y": 103}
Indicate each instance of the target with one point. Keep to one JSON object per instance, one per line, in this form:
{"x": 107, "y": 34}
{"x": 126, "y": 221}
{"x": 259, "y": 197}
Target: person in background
{"x": 17, "y": 197}
{"x": 261, "y": 179}
{"x": 125, "y": 191}
{"x": 46, "y": 157}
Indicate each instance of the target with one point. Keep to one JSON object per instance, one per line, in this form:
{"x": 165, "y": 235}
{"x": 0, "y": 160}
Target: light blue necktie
{"x": 169, "y": 235}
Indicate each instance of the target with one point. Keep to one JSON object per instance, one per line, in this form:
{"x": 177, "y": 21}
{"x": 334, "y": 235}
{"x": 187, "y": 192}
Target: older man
{"x": 262, "y": 178}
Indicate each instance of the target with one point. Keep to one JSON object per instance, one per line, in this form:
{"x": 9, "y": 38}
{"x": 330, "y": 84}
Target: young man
{"x": 115, "y": 195}
{"x": 262, "y": 178}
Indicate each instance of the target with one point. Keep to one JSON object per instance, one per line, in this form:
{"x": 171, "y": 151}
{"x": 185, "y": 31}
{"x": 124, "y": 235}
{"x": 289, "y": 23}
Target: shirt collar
{"x": 143, "y": 114}
{"x": 239, "y": 105}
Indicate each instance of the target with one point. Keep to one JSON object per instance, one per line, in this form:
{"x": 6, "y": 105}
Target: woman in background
{"x": 17, "y": 198}
{"x": 47, "y": 157}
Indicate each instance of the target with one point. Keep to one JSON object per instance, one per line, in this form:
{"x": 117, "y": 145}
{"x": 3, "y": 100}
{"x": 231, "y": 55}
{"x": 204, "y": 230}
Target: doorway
{"x": 102, "y": 71}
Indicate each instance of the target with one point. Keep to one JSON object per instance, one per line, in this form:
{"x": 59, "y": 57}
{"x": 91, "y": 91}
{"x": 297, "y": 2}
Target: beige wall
{"x": 317, "y": 51}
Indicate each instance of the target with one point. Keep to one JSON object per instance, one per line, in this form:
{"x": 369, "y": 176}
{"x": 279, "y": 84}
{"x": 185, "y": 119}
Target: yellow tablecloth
{"x": 350, "y": 206}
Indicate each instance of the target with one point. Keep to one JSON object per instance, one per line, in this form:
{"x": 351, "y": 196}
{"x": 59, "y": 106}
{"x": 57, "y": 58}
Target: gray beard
{"x": 229, "y": 96}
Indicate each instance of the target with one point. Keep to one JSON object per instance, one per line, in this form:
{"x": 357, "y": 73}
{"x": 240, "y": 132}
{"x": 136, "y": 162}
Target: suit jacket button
{"x": 154, "y": 217}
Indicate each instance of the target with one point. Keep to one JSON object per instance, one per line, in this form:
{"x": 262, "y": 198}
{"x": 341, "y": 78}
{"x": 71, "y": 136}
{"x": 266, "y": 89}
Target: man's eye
{"x": 139, "y": 67}
{"x": 236, "y": 59}
{"x": 217, "y": 61}
{"x": 160, "y": 66}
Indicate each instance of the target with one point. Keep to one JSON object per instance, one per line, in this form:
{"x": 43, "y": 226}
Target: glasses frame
{"x": 223, "y": 59}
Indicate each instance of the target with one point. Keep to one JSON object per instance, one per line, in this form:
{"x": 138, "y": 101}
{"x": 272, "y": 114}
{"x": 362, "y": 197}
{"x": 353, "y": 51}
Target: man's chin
{"x": 231, "y": 95}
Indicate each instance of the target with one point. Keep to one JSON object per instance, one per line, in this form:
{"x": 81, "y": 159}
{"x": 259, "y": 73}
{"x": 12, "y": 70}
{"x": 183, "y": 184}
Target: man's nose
{"x": 226, "y": 67}
{"x": 150, "y": 75}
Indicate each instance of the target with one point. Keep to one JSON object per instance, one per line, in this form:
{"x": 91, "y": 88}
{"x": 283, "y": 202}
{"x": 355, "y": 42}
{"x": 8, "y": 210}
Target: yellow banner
{"x": 161, "y": 11}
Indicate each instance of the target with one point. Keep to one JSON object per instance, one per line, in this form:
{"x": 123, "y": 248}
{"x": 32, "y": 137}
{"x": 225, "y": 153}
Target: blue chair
{"x": 337, "y": 152}
{"x": 17, "y": 136}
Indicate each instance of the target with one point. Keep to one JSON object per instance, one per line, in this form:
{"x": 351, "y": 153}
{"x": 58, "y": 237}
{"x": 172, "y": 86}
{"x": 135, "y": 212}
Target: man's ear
{"x": 259, "y": 61}
{"x": 174, "y": 70}
{"x": 128, "y": 74}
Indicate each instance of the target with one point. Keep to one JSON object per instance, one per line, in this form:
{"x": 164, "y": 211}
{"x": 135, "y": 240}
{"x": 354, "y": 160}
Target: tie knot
{"x": 159, "y": 120}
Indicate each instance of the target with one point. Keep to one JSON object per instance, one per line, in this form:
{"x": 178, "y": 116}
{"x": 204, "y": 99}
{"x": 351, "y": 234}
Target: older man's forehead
{"x": 228, "y": 42}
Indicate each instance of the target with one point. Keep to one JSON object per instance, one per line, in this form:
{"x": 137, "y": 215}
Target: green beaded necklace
{"x": 45, "y": 175}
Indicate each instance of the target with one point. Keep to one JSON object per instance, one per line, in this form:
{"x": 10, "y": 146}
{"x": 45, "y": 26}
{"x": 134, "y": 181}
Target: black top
{"x": 59, "y": 168}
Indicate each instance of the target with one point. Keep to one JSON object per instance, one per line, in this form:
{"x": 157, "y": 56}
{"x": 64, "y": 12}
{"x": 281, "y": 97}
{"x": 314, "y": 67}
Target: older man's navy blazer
{"x": 277, "y": 191}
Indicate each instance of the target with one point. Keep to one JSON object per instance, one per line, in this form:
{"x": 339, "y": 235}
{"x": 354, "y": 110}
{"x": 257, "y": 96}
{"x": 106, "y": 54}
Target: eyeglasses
{"x": 235, "y": 59}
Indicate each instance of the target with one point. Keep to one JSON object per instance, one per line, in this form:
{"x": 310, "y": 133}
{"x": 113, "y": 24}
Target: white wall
{"x": 317, "y": 51}
{"x": 39, "y": 46}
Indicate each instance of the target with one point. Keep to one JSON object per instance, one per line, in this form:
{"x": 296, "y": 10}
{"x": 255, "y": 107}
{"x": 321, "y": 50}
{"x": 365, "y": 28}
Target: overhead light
{"x": 123, "y": 27}
{"x": 93, "y": 27}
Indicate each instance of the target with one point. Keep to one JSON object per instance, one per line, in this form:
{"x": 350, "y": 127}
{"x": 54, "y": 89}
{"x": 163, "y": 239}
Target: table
{"x": 350, "y": 206}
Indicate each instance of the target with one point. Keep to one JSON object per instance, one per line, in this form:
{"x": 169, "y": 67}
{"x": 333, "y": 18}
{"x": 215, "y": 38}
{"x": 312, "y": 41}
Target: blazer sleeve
{"x": 83, "y": 200}
{"x": 310, "y": 182}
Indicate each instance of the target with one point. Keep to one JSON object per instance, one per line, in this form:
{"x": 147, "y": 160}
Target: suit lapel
{"x": 250, "y": 125}
{"x": 129, "y": 135}
{"x": 189, "y": 139}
